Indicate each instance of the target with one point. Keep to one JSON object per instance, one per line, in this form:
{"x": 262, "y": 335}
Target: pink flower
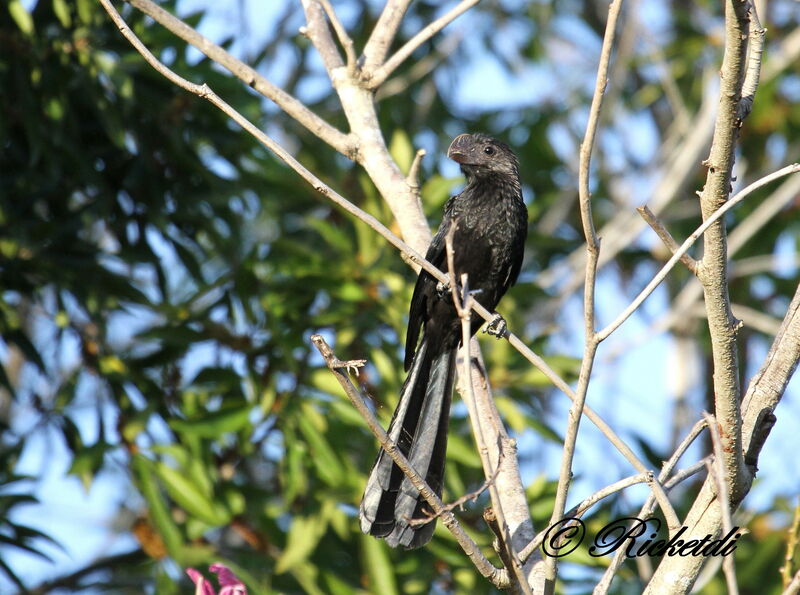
{"x": 227, "y": 580}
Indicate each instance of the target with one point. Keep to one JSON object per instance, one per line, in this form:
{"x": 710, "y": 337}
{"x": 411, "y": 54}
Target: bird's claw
{"x": 442, "y": 289}
{"x": 496, "y": 327}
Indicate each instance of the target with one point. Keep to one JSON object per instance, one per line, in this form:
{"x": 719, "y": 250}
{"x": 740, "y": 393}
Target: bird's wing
{"x": 426, "y": 284}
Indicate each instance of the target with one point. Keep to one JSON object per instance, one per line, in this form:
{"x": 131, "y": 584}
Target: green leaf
{"x": 190, "y": 497}
{"x": 313, "y": 426}
{"x": 61, "y": 10}
{"x": 401, "y": 150}
{"x": 88, "y": 461}
{"x": 375, "y": 559}
{"x": 214, "y": 424}
{"x": 159, "y": 513}
{"x": 304, "y": 534}
{"x": 459, "y": 449}
{"x": 21, "y": 16}
{"x": 511, "y": 413}
{"x": 324, "y": 380}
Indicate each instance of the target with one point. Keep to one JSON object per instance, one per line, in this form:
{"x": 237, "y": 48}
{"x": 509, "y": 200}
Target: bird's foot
{"x": 496, "y": 327}
{"x": 442, "y": 290}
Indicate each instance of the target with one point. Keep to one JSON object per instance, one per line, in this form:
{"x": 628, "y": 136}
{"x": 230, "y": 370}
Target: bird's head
{"x": 482, "y": 156}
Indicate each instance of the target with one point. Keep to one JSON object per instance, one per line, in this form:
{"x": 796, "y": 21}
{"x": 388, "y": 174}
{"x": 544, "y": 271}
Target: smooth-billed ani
{"x": 491, "y": 223}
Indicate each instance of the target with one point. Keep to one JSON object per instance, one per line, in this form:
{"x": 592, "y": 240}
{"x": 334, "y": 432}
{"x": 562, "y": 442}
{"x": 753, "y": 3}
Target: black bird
{"x": 491, "y": 223}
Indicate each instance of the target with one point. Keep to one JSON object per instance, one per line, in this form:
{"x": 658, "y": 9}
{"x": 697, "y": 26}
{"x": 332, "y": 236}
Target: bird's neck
{"x": 494, "y": 184}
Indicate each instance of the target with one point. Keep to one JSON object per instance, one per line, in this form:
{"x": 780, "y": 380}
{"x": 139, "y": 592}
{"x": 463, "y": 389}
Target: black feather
{"x": 491, "y": 223}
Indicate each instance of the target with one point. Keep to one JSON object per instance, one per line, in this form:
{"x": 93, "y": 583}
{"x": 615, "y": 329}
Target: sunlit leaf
{"x": 190, "y": 497}
{"x": 303, "y": 536}
{"x": 378, "y": 565}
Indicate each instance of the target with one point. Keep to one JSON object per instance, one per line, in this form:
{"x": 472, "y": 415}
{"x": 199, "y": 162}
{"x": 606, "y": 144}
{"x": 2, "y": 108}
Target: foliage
{"x": 161, "y": 270}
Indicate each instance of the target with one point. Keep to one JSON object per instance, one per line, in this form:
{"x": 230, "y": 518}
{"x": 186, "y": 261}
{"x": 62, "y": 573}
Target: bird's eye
{"x": 489, "y": 150}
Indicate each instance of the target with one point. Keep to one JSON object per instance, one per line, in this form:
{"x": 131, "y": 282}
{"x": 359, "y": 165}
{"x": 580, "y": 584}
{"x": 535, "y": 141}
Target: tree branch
{"x": 713, "y": 272}
{"x": 293, "y": 107}
{"x": 716, "y": 470}
{"x": 592, "y": 253}
{"x": 496, "y": 576}
{"x": 319, "y": 34}
{"x": 663, "y": 233}
{"x": 376, "y": 77}
{"x": 497, "y": 454}
{"x": 647, "y": 508}
{"x": 358, "y": 104}
{"x": 383, "y": 34}
{"x": 342, "y": 36}
{"x": 708, "y": 222}
{"x": 763, "y": 395}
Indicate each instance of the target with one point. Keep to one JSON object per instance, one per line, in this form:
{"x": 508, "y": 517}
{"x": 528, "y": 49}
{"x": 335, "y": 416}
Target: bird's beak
{"x": 458, "y": 148}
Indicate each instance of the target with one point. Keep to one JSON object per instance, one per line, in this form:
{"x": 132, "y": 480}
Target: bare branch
{"x": 662, "y": 232}
{"x": 377, "y": 77}
{"x": 342, "y": 36}
{"x": 763, "y": 395}
{"x": 709, "y": 221}
{"x": 319, "y": 34}
{"x": 684, "y": 474}
{"x": 753, "y": 73}
{"x": 716, "y": 470}
{"x": 459, "y": 502}
{"x": 486, "y": 424}
{"x": 713, "y": 270}
{"x": 293, "y": 107}
{"x": 497, "y": 576}
{"x": 580, "y": 509}
{"x": 383, "y": 34}
{"x": 647, "y": 508}
{"x": 791, "y": 548}
{"x": 592, "y": 253}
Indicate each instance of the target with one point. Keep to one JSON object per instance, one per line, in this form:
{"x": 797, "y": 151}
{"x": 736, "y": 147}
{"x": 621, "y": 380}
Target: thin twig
{"x": 663, "y": 233}
{"x": 719, "y": 213}
{"x": 647, "y": 508}
{"x": 683, "y": 474}
{"x": 717, "y": 470}
{"x": 383, "y": 34}
{"x": 791, "y": 547}
{"x": 497, "y": 576}
{"x": 686, "y": 299}
{"x": 337, "y": 139}
{"x": 592, "y": 254}
{"x": 377, "y": 77}
{"x": 580, "y": 509}
{"x": 462, "y": 301}
{"x": 459, "y": 502}
{"x": 341, "y": 34}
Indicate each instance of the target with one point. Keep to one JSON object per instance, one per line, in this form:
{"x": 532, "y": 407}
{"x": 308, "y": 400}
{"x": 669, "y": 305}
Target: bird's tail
{"x": 419, "y": 429}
